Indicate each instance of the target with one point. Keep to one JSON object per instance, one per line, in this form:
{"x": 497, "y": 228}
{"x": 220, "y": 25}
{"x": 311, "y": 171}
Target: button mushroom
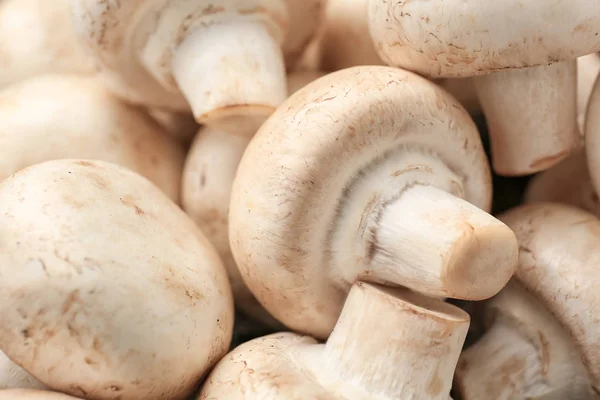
{"x": 524, "y": 57}
{"x": 222, "y": 57}
{"x": 24, "y": 394}
{"x": 208, "y": 175}
{"x": 107, "y": 289}
{"x": 36, "y": 36}
{"x": 13, "y": 376}
{"x": 370, "y": 173}
{"x": 544, "y": 340}
{"x": 56, "y": 116}
{"x": 413, "y": 360}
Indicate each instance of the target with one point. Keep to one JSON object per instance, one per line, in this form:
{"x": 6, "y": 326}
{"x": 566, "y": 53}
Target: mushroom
{"x": 54, "y": 116}
{"x": 568, "y": 183}
{"x": 24, "y": 394}
{"x": 369, "y": 173}
{"x": 523, "y": 58}
{"x": 36, "y": 36}
{"x": 412, "y": 356}
{"x": 108, "y": 289}
{"x": 208, "y": 176}
{"x": 544, "y": 337}
{"x": 222, "y": 57}
{"x": 13, "y": 376}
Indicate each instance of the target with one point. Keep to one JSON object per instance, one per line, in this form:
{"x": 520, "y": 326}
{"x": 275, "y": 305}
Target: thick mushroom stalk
{"x": 83, "y": 119}
{"x": 497, "y": 42}
{"x": 14, "y": 377}
{"x": 414, "y": 358}
{"x": 525, "y": 354}
{"x": 208, "y": 176}
{"x": 223, "y": 57}
{"x": 545, "y": 337}
{"x": 108, "y": 289}
{"x": 348, "y": 180}
{"x": 36, "y": 36}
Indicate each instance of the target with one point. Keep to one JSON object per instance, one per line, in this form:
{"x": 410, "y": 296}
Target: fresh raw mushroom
{"x": 523, "y": 54}
{"x": 13, "y": 377}
{"x": 54, "y": 116}
{"x": 36, "y": 36}
{"x": 107, "y": 289}
{"x": 208, "y": 175}
{"x": 544, "y": 341}
{"x": 222, "y": 57}
{"x": 25, "y": 394}
{"x": 412, "y": 355}
{"x": 369, "y": 173}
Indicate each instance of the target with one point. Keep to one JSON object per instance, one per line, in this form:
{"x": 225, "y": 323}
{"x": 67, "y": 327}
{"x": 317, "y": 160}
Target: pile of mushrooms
{"x": 299, "y": 199}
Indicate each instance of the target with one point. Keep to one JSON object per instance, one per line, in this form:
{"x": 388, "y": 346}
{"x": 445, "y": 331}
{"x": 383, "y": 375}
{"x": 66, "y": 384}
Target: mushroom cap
{"x": 56, "y": 116}
{"x": 305, "y": 16}
{"x": 134, "y": 42}
{"x": 36, "y": 36}
{"x": 303, "y": 161}
{"x": 558, "y": 261}
{"x": 568, "y": 183}
{"x": 109, "y": 289}
{"x": 457, "y": 38}
{"x": 27, "y": 394}
{"x": 13, "y": 376}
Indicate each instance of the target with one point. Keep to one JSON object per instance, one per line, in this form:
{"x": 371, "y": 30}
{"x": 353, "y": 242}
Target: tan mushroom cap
{"x": 457, "y": 38}
{"x": 110, "y": 290}
{"x": 36, "y": 36}
{"x": 210, "y": 169}
{"x": 222, "y": 57}
{"x": 363, "y": 174}
{"x": 568, "y": 183}
{"x": 56, "y": 116}
{"x": 558, "y": 265}
{"x": 412, "y": 356}
{"x": 14, "y": 377}
{"x": 26, "y": 394}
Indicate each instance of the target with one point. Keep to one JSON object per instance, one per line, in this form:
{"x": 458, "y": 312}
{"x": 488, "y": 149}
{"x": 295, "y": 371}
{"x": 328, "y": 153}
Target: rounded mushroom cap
{"x": 303, "y": 162}
{"x": 113, "y": 290}
{"x": 458, "y": 38}
{"x": 36, "y": 36}
{"x": 27, "y": 394}
{"x": 559, "y": 255}
{"x": 13, "y": 376}
{"x": 305, "y": 16}
{"x": 57, "y": 116}
{"x": 135, "y": 43}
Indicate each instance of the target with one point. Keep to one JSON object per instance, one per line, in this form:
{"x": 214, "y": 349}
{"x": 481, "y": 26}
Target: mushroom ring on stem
{"x": 107, "y": 289}
{"x": 210, "y": 169}
{"x": 412, "y": 356}
{"x": 222, "y": 57}
{"x": 369, "y": 173}
{"x": 530, "y": 104}
{"x": 545, "y": 337}
{"x": 54, "y": 116}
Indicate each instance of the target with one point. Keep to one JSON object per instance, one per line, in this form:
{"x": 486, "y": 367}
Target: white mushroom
{"x": 222, "y": 57}
{"x": 544, "y": 339}
{"x": 36, "y": 36}
{"x": 208, "y": 176}
{"x": 411, "y": 356}
{"x": 12, "y": 376}
{"x": 24, "y": 394}
{"x": 368, "y": 173}
{"x": 107, "y": 289}
{"x": 524, "y": 56}
{"x": 55, "y": 116}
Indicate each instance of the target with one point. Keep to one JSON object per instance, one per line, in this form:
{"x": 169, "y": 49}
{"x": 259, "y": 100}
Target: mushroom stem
{"x": 423, "y": 348}
{"x": 436, "y": 243}
{"x": 527, "y": 142}
{"x": 229, "y": 71}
